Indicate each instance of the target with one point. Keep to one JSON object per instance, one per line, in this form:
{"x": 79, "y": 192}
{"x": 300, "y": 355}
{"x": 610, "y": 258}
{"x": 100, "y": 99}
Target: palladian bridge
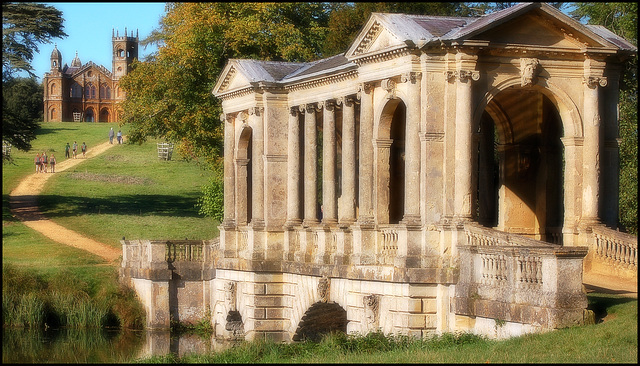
{"x": 443, "y": 174}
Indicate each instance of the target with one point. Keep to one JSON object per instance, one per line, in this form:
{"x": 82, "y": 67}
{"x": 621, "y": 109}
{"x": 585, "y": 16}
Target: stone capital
{"x": 256, "y": 111}
{"x": 347, "y": 101}
{"x": 595, "y": 81}
{"x": 411, "y": 76}
{"x": 242, "y": 116}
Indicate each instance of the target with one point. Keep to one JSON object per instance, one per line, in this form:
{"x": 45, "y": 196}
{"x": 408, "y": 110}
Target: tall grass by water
{"x": 32, "y": 300}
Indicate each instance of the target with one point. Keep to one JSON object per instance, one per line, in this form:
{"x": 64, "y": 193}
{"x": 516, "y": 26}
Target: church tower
{"x": 125, "y": 50}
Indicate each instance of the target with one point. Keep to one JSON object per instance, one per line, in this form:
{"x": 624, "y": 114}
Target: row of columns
{"x": 345, "y": 213}
{"x": 330, "y": 201}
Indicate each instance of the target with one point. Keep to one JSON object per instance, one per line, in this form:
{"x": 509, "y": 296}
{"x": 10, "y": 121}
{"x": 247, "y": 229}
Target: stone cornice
{"x": 326, "y": 80}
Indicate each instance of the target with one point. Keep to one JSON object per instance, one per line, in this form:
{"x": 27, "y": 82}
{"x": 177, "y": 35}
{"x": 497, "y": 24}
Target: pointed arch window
{"x": 90, "y": 91}
{"x": 105, "y": 91}
{"x": 75, "y": 91}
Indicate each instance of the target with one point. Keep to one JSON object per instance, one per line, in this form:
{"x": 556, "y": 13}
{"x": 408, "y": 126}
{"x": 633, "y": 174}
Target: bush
{"x": 211, "y": 203}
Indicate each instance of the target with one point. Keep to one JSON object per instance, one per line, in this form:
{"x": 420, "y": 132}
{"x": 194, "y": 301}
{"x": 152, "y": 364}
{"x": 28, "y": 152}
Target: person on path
{"x": 37, "y": 162}
{"x": 66, "y": 151}
{"x": 52, "y": 161}
{"x": 84, "y": 149}
{"x": 119, "y": 136}
{"x": 75, "y": 149}
{"x": 111, "y": 134}
{"x": 45, "y": 161}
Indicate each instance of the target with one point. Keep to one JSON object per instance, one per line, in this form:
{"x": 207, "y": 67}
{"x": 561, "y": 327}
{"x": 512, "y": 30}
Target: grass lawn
{"x": 126, "y": 191}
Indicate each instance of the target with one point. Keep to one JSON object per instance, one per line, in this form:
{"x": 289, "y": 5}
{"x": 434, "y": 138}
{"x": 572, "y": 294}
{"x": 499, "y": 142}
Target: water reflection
{"x": 98, "y": 345}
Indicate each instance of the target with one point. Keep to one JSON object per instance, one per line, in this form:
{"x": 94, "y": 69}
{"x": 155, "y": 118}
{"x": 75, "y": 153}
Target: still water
{"x": 97, "y": 345}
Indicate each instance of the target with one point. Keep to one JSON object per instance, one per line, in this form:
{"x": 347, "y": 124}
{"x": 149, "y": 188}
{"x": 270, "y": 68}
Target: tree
{"x": 622, "y": 19}
{"x": 21, "y": 111}
{"x": 170, "y": 96}
{"x": 24, "y": 26}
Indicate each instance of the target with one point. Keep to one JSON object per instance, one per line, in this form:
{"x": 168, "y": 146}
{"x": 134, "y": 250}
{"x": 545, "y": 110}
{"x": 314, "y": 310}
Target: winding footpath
{"x": 23, "y": 203}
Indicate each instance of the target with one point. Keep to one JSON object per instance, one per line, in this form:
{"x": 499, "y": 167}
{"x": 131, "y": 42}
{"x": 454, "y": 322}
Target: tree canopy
{"x": 24, "y": 26}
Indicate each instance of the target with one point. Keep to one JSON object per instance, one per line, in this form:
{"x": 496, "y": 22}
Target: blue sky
{"x": 89, "y": 26}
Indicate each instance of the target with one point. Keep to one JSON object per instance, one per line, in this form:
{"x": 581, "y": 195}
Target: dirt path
{"x": 23, "y": 202}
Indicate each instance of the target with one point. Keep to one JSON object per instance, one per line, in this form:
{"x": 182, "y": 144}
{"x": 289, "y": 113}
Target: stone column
{"x": 293, "y": 169}
{"x": 229, "y": 171}
{"x": 365, "y": 216}
{"x": 257, "y": 166}
{"x": 347, "y": 207}
{"x": 310, "y": 161}
{"x": 329, "y": 203}
{"x": 412, "y": 151}
{"x": 591, "y": 147}
{"x": 463, "y": 142}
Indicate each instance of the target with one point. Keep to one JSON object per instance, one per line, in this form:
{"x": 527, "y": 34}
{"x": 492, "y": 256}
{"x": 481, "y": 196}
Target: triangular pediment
{"x": 535, "y": 24}
{"x": 230, "y": 79}
{"x": 374, "y": 39}
{"x": 536, "y": 29}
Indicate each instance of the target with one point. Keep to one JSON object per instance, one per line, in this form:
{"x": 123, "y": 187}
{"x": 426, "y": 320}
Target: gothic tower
{"x": 125, "y": 50}
{"x": 56, "y": 59}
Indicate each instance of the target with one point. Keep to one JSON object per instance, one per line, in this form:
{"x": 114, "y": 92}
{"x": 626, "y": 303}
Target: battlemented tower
{"x": 125, "y": 50}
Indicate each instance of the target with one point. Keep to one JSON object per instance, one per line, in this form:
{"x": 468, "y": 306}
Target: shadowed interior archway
{"x": 520, "y": 165}
{"x": 322, "y": 318}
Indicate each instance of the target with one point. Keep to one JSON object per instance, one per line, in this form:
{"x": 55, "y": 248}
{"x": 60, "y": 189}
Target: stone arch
{"x": 320, "y": 319}
{"x": 53, "y": 114}
{"x": 244, "y": 175}
{"x": 89, "y": 115}
{"x": 525, "y": 193}
{"x": 104, "y": 115}
{"x": 390, "y": 161}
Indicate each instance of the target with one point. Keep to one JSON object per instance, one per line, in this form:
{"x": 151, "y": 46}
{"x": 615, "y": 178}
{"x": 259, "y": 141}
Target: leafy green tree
{"x": 24, "y": 26}
{"x": 22, "y": 107}
{"x": 170, "y": 97}
{"x": 622, "y": 19}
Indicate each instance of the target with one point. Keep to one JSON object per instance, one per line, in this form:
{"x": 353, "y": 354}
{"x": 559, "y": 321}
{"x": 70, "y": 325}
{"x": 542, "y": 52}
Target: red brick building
{"x": 88, "y": 92}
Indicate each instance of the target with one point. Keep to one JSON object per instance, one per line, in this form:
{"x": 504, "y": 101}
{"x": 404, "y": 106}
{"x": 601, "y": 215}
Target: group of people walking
{"x": 119, "y": 137}
{"x": 67, "y": 149}
{"x": 43, "y": 162}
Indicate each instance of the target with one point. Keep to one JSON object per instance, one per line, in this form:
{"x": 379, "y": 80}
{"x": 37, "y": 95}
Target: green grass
{"x": 126, "y": 191}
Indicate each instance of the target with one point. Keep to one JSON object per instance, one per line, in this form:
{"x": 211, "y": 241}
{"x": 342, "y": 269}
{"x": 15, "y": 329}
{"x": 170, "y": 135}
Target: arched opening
{"x": 322, "y": 318}
{"x": 244, "y": 176}
{"x": 390, "y": 163}
{"x": 104, "y": 115}
{"x": 519, "y": 167}
{"x": 53, "y": 114}
{"x": 88, "y": 115}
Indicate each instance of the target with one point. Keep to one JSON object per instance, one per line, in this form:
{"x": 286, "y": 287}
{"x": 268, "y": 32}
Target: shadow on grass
{"x": 600, "y": 302}
{"x": 53, "y": 206}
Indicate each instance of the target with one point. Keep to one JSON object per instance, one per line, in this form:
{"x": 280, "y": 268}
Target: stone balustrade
{"x": 519, "y": 280}
{"x": 617, "y": 248}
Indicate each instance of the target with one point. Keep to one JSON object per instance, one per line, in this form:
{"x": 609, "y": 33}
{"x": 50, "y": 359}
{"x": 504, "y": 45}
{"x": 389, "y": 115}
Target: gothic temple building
{"x": 88, "y": 92}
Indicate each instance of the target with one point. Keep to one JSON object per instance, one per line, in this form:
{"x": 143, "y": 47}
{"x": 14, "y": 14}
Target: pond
{"x": 97, "y": 345}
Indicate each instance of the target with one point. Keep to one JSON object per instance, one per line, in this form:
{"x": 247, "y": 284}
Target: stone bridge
{"x": 443, "y": 174}
{"x": 522, "y": 284}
